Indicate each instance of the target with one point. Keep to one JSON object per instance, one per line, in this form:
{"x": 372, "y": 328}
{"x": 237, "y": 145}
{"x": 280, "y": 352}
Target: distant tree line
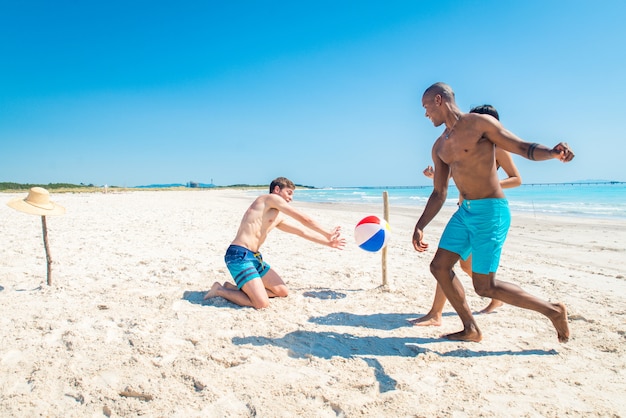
{"x": 49, "y": 186}
{"x": 8, "y": 186}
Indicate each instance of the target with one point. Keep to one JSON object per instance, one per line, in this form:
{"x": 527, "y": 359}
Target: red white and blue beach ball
{"x": 372, "y": 233}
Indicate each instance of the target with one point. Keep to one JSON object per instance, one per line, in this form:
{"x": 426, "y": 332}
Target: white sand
{"x": 123, "y": 330}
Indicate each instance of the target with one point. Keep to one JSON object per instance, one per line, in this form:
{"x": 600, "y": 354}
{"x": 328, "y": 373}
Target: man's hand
{"x": 429, "y": 172}
{"x": 563, "y": 152}
{"x": 418, "y": 243}
{"x": 336, "y": 240}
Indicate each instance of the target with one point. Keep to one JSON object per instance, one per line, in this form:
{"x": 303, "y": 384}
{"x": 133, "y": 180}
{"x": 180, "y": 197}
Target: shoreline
{"x": 248, "y": 189}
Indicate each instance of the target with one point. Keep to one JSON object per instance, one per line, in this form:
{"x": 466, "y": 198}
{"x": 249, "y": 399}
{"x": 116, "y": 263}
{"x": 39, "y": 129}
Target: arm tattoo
{"x": 531, "y": 151}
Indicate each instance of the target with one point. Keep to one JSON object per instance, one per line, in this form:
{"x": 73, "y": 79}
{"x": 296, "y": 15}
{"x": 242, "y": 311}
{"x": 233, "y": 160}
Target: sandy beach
{"x": 123, "y": 330}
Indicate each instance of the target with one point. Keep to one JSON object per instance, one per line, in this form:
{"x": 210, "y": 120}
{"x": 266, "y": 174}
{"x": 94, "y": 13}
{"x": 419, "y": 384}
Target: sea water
{"x": 602, "y": 200}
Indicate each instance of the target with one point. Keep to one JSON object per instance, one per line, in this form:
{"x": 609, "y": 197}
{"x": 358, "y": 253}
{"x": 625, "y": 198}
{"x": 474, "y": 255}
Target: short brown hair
{"x": 282, "y": 182}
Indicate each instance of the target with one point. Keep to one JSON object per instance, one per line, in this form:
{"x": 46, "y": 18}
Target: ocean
{"x": 595, "y": 200}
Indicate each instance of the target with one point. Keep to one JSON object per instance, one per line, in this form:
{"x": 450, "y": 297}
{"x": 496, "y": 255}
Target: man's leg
{"x": 493, "y": 305}
{"x": 466, "y": 266}
{"x": 486, "y": 285}
{"x": 433, "y": 317}
{"x": 274, "y": 285}
{"x": 441, "y": 268}
{"x": 252, "y": 294}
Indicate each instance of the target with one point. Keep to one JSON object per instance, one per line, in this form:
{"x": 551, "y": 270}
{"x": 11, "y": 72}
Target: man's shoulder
{"x": 479, "y": 119}
{"x": 472, "y": 118}
{"x": 265, "y": 203}
{"x": 269, "y": 200}
{"x": 260, "y": 200}
{"x": 475, "y": 125}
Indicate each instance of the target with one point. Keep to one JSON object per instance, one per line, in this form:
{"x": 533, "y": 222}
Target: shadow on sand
{"x": 326, "y": 345}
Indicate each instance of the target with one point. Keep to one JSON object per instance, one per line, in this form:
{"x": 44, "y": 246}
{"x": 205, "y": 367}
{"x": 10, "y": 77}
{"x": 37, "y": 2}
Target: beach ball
{"x": 371, "y": 233}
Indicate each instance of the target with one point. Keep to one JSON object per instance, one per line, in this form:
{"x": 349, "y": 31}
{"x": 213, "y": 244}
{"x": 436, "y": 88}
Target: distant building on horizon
{"x": 196, "y": 185}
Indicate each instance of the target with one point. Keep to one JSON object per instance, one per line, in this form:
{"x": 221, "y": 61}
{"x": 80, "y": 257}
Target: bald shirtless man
{"x": 255, "y": 281}
{"x": 465, "y": 151}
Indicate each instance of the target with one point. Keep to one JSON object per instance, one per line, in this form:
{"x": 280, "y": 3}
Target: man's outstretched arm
{"x": 508, "y": 141}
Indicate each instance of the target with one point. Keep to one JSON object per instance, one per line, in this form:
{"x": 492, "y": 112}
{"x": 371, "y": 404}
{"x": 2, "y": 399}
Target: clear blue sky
{"x": 327, "y": 93}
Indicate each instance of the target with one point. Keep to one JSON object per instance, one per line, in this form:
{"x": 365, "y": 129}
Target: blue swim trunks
{"x": 245, "y": 265}
{"x": 479, "y": 228}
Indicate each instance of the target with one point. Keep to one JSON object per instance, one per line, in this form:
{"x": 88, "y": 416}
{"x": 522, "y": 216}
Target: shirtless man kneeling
{"x": 255, "y": 280}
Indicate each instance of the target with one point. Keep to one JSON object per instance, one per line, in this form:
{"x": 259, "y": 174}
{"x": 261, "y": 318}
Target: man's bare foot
{"x": 426, "y": 321}
{"x": 213, "y": 292}
{"x": 559, "y": 320}
{"x": 493, "y": 305}
{"x": 229, "y": 285}
{"x": 472, "y": 334}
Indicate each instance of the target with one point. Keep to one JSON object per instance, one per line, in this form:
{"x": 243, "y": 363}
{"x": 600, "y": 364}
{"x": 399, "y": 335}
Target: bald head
{"x": 438, "y": 100}
{"x": 442, "y": 89}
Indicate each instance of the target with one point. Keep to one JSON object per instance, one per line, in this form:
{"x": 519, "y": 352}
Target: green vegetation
{"x": 10, "y": 187}
{"x": 66, "y": 187}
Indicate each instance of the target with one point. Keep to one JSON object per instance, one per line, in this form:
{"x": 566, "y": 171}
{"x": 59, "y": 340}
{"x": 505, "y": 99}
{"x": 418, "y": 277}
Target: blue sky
{"x": 327, "y": 93}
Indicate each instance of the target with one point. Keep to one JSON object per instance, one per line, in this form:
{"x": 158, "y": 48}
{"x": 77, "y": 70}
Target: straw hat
{"x": 37, "y": 203}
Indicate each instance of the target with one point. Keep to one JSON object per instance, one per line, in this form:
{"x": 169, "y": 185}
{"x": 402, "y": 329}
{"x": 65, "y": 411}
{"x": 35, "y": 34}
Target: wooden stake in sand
{"x": 38, "y": 203}
{"x": 384, "y": 250}
{"x": 47, "y": 248}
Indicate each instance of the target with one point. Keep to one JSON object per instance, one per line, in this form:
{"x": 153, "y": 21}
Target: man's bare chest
{"x": 451, "y": 150}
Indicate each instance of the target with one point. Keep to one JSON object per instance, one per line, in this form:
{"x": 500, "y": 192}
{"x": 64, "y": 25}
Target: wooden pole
{"x": 384, "y": 252}
{"x": 47, "y": 248}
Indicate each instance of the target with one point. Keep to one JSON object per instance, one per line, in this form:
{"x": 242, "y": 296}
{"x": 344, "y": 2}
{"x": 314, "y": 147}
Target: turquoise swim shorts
{"x": 478, "y": 227}
{"x": 245, "y": 265}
